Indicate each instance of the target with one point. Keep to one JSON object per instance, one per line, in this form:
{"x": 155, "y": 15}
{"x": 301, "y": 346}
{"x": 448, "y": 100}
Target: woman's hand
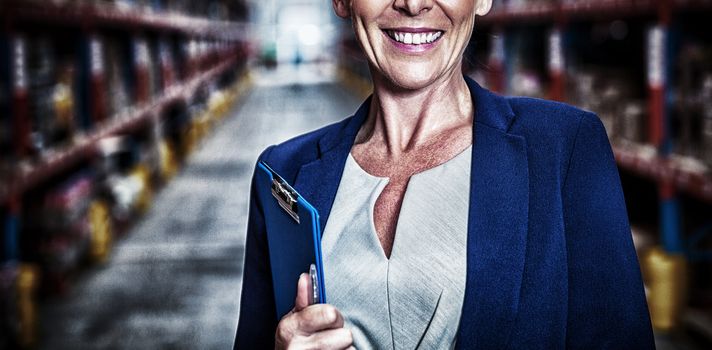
{"x": 318, "y": 326}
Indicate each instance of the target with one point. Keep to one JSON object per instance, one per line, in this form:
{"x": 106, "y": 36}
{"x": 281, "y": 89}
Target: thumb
{"x": 302, "y": 299}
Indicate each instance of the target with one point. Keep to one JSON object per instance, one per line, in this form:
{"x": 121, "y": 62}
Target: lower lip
{"x": 412, "y": 48}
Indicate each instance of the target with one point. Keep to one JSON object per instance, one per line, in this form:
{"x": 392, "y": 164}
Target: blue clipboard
{"x": 293, "y": 236}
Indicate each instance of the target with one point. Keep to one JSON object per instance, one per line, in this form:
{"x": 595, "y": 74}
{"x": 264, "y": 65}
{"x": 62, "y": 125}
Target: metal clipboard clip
{"x": 314, "y": 297}
{"x": 286, "y": 197}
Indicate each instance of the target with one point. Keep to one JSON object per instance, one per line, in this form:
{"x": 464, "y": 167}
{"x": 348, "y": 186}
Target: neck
{"x": 405, "y": 119}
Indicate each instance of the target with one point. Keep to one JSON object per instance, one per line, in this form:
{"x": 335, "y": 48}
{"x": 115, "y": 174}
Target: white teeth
{"x": 415, "y": 38}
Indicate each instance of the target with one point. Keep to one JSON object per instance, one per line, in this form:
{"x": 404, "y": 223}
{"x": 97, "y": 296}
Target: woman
{"x": 451, "y": 216}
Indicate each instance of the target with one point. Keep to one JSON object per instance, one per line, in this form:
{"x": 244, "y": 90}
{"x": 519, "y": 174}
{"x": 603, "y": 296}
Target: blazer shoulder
{"x": 536, "y": 111}
{"x": 552, "y": 129}
{"x": 287, "y": 157}
{"x": 549, "y": 121}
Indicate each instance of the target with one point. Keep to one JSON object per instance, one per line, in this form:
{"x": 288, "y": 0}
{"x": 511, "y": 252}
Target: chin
{"x": 413, "y": 74}
{"x": 411, "y": 79}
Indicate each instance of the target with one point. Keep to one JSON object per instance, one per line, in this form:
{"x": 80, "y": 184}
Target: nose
{"x": 413, "y": 7}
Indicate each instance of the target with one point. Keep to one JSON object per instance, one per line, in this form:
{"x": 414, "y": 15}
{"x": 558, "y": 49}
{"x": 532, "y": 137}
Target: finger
{"x": 319, "y": 317}
{"x": 337, "y": 339}
{"x": 302, "y": 299}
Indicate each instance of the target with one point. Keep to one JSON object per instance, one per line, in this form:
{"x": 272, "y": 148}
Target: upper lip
{"x": 414, "y": 29}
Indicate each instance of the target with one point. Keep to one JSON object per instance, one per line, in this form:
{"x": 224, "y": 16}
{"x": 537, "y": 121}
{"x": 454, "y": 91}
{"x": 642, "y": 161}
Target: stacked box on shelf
{"x": 177, "y": 47}
{"x": 605, "y": 62}
{"x": 90, "y": 67}
{"x": 208, "y": 106}
{"x": 152, "y": 64}
{"x": 206, "y": 54}
{"x": 211, "y": 9}
{"x": 141, "y": 66}
{"x": 692, "y": 112}
{"x": 8, "y": 278}
{"x": 192, "y": 56}
{"x": 167, "y": 70}
{"x": 200, "y": 120}
{"x": 20, "y": 119}
{"x": 120, "y": 184}
{"x": 95, "y": 63}
{"x": 146, "y": 148}
{"x": 526, "y": 61}
{"x": 201, "y": 8}
{"x": 133, "y": 4}
{"x": 8, "y": 305}
{"x": 175, "y": 119}
{"x": 9, "y": 245}
{"x": 526, "y": 4}
{"x": 118, "y": 75}
{"x": 155, "y": 71}
{"x": 174, "y": 125}
{"x": 6, "y": 145}
{"x": 177, "y": 6}
{"x": 52, "y": 77}
{"x": 56, "y": 231}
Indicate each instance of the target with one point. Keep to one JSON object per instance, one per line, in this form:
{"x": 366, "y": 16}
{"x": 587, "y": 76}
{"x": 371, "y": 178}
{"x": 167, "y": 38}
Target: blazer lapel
{"x": 498, "y": 222}
{"x": 318, "y": 181}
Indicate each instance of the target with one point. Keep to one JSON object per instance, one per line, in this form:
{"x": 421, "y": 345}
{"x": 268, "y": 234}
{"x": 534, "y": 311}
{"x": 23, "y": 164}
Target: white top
{"x": 414, "y": 299}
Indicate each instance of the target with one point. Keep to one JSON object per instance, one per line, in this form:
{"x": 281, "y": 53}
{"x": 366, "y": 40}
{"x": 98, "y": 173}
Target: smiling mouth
{"x": 410, "y": 38}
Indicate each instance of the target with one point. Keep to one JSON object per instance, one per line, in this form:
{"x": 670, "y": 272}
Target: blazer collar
{"x": 498, "y": 214}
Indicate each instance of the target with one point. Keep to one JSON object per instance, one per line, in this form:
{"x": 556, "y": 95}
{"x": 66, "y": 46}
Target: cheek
{"x": 464, "y": 25}
{"x": 363, "y": 17}
{"x": 458, "y": 11}
{"x": 367, "y": 10}
{"x": 459, "y": 5}
{"x": 360, "y": 26}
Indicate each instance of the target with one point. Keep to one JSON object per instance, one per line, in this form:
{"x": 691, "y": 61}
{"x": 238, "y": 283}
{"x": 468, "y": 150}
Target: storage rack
{"x": 656, "y": 31}
{"x": 172, "y": 62}
{"x": 671, "y": 176}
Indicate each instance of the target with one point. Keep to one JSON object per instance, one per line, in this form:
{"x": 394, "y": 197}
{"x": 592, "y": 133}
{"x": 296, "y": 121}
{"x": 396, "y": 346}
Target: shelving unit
{"x": 621, "y": 55}
{"x": 100, "y": 101}
{"x": 104, "y": 14}
{"x": 640, "y": 160}
{"x": 563, "y": 11}
{"x": 85, "y": 145}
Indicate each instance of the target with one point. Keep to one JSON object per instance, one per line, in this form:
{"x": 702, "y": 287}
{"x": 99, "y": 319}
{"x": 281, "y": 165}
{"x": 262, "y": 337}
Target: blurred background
{"x": 129, "y": 131}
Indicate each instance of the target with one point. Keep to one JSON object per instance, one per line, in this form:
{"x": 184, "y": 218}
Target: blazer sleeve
{"x": 606, "y": 301}
{"x": 258, "y": 321}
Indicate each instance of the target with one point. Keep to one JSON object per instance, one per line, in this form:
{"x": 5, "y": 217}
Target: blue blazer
{"x": 550, "y": 259}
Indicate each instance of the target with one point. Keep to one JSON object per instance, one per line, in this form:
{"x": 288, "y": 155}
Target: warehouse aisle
{"x": 174, "y": 281}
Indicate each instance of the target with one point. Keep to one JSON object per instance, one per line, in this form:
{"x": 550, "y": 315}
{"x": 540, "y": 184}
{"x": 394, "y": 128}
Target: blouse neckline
{"x": 464, "y": 152}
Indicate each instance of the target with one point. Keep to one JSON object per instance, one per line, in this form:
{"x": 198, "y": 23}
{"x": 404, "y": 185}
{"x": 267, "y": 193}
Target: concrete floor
{"x": 174, "y": 281}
